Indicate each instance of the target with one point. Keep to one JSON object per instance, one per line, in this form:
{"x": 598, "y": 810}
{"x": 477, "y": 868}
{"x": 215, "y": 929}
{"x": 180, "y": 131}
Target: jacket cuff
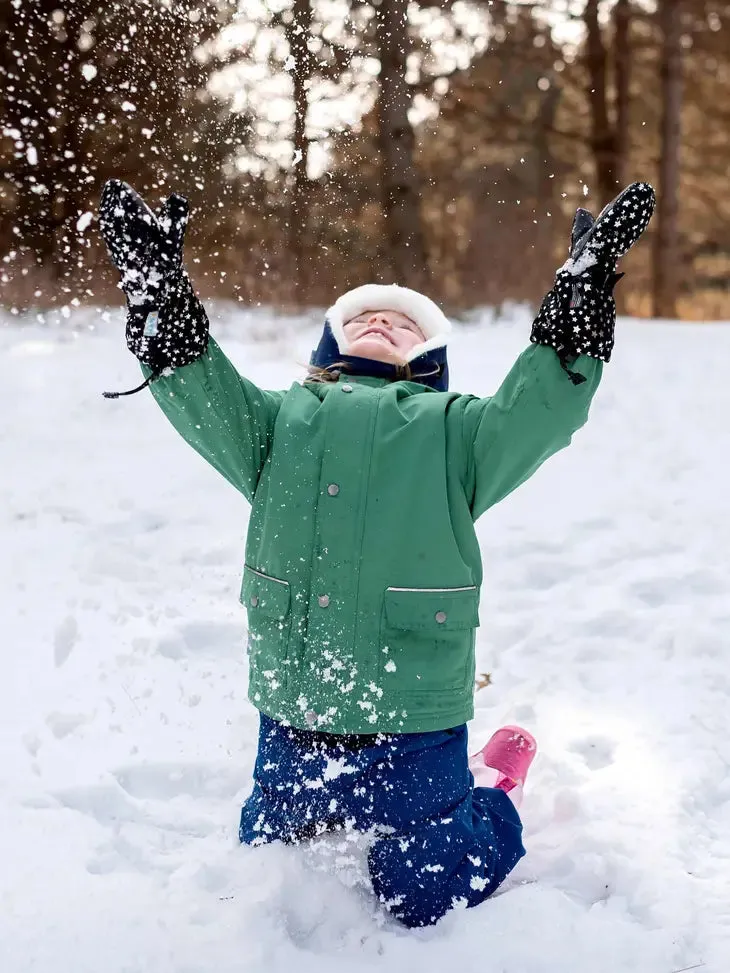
{"x": 577, "y": 317}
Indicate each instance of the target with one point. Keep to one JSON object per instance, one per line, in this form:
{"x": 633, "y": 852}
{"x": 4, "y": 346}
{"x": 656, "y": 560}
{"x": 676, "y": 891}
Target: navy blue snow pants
{"x": 440, "y": 842}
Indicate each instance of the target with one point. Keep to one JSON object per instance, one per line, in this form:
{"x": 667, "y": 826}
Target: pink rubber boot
{"x": 504, "y": 761}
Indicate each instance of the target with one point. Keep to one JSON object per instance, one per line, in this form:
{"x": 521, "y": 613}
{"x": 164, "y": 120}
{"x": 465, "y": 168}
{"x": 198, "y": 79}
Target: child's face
{"x": 386, "y": 336}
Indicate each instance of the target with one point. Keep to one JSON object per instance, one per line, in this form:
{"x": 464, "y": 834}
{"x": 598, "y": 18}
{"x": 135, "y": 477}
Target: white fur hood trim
{"x": 390, "y": 297}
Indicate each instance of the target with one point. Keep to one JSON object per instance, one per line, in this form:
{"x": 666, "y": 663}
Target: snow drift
{"x": 126, "y": 741}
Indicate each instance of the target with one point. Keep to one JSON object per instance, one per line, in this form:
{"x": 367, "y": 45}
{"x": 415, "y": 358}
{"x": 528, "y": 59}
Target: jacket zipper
{"x": 471, "y": 587}
{"x": 266, "y": 577}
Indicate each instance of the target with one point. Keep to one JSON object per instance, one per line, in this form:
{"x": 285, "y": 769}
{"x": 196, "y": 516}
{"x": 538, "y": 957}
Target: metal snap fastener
{"x": 333, "y": 489}
{"x": 346, "y": 388}
{"x": 311, "y": 717}
{"x": 323, "y": 600}
{"x": 254, "y": 600}
{"x": 441, "y": 617}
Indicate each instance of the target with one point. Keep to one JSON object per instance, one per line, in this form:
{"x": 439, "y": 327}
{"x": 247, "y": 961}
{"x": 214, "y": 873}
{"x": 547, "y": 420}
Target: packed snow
{"x": 127, "y": 742}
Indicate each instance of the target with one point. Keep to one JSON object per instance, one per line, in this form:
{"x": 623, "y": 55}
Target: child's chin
{"x": 378, "y": 349}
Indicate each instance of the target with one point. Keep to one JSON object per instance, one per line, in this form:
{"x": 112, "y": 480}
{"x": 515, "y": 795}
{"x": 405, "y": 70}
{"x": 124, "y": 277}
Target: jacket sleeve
{"x": 223, "y": 416}
{"x": 533, "y": 415}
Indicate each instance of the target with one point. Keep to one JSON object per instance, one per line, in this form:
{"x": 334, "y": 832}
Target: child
{"x": 363, "y": 570}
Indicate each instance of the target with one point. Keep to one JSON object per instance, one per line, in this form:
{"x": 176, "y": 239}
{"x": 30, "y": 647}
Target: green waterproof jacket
{"x": 363, "y": 570}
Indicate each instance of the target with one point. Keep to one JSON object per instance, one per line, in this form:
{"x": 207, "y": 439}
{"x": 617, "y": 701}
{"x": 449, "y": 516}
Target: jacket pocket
{"x": 268, "y": 602}
{"x": 427, "y": 638}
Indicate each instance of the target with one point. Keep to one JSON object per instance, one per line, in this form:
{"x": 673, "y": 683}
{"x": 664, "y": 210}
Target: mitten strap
{"x": 118, "y": 395}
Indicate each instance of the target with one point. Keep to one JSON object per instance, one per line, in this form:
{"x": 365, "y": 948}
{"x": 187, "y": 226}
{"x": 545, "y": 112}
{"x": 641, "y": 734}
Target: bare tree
{"x": 298, "y": 34}
{"x": 400, "y": 181}
{"x": 622, "y": 62}
{"x": 609, "y": 136}
{"x": 666, "y": 251}
{"x": 78, "y": 90}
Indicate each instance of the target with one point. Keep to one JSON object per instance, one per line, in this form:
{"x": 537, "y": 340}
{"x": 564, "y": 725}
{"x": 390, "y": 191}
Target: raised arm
{"x": 546, "y": 396}
{"x": 533, "y": 415}
{"x": 226, "y": 418}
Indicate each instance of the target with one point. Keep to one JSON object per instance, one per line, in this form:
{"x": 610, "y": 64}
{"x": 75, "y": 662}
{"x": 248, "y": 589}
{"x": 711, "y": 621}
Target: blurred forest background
{"x": 326, "y": 143}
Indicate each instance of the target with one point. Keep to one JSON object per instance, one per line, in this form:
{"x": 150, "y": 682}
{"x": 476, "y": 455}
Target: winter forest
{"x": 322, "y": 143}
{"x": 276, "y": 661}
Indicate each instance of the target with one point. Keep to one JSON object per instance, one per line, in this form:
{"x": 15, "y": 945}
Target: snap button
{"x": 323, "y": 600}
{"x": 311, "y": 717}
{"x": 441, "y": 617}
{"x": 333, "y": 489}
{"x": 346, "y": 387}
{"x": 254, "y": 600}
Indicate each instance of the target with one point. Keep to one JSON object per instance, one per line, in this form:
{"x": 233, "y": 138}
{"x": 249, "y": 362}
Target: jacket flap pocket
{"x": 432, "y": 609}
{"x": 264, "y": 594}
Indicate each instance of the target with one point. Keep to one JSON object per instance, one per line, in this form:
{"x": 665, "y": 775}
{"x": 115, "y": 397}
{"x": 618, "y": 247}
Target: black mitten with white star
{"x": 167, "y": 326}
{"x": 578, "y": 316}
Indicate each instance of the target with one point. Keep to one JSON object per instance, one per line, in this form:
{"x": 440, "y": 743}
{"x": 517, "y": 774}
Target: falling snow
{"x": 84, "y": 221}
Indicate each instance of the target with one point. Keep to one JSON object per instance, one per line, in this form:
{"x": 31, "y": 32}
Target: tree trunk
{"x": 603, "y": 135}
{"x": 25, "y": 109}
{"x": 298, "y": 33}
{"x": 545, "y": 186}
{"x": 666, "y": 251}
{"x": 406, "y": 259}
{"x": 622, "y": 72}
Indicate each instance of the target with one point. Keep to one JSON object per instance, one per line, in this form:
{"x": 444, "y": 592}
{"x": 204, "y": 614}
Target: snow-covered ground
{"x": 126, "y": 741}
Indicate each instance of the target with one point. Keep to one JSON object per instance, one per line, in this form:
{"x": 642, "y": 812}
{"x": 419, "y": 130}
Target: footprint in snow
{"x": 597, "y": 752}
{"x": 162, "y": 781}
{"x": 655, "y": 593}
{"x": 204, "y": 638}
{"x": 64, "y": 639}
{"x": 107, "y": 803}
{"x": 112, "y": 806}
{"x": 62, "y": 724}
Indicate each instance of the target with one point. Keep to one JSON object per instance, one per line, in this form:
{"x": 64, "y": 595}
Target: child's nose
{"x": 380, "y": 319}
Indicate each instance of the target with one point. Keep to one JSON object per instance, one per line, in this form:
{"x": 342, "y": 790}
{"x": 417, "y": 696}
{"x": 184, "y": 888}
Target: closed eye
{"x": 402, "y": 322}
